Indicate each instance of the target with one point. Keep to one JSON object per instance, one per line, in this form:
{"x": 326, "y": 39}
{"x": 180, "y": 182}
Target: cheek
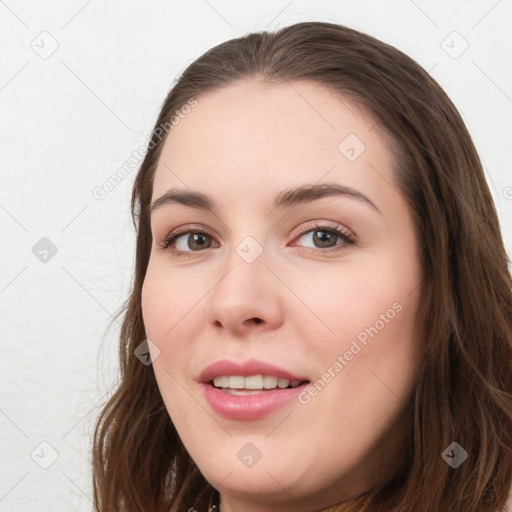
{"x": 356, "y": 301}
{"x": 171, "y": 323}
{"x": 166, "y": 301}
{"x": 152, "y": 306}
{"x": 160, "y": 312}
{"x": 370, "y": 338}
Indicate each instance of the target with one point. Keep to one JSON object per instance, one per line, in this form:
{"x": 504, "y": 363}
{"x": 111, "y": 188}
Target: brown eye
{"x": 325, "y": 237}
{"x": 193, "y": 241}
{"x": 322, "y": 239}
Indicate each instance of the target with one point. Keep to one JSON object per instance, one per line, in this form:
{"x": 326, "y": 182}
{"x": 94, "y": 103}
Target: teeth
{"x": 237, "y": 382}
{"x": 221, "y": 382}
{"x": 242, "y": 392}
{"x": 283, "y": 383}
{"x": 252, "y": 382}
{"x": 269, "y": 382}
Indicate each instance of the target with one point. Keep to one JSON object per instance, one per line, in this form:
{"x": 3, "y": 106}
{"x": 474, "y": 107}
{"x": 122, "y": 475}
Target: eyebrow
{"x": 286, "y": 198}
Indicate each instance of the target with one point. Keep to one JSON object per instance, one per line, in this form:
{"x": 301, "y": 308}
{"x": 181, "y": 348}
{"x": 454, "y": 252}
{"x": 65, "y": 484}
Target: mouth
{"x": 249, "y": 390}
{"x": 239, "y": 385}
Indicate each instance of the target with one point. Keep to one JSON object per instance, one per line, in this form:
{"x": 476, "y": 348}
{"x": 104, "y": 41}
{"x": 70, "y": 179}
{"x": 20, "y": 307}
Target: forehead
{"x": 270, "y": 135}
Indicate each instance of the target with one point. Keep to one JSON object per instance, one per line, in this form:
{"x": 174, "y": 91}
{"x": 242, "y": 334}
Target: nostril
{"x": 257, "y": 320}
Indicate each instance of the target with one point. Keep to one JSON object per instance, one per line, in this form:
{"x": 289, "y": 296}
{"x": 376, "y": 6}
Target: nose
{"x": 246, "y": 296}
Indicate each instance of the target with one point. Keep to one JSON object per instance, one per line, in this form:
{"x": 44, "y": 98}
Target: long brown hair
{"x": 464, "y": 388}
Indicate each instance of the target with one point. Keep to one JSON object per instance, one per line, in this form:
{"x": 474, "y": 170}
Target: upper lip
{"x": 245, "y": 369}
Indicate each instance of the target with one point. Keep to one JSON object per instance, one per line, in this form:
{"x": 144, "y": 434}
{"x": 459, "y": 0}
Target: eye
{"x": 325, "y": 236}
{"x": 185, "y": 240}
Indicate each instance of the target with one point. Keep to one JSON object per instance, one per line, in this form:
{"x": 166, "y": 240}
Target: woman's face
{"x": 285, "y": 352}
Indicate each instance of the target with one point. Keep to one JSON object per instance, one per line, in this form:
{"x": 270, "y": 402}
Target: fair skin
{"x": 241, "y": 145}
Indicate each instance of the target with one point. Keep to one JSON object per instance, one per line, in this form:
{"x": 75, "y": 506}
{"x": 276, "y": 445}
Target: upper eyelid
{"x": 306, "y": 226}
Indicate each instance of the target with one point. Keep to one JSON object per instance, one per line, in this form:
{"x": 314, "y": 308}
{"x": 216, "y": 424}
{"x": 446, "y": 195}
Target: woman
{"x": 322, "y": 288}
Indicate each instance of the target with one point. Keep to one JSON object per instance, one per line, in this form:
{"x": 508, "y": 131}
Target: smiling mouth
{"x": 252, "y": 384}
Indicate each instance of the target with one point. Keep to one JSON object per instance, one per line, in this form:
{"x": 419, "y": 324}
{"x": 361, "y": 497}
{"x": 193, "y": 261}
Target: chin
{"x": 266, "y": 479}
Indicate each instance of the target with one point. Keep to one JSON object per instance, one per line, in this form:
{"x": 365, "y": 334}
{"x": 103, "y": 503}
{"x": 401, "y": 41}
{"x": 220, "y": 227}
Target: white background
{"x": 70, "y": 120}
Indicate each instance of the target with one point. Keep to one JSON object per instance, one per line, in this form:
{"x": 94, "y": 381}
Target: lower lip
{"x": 249, "y": 407}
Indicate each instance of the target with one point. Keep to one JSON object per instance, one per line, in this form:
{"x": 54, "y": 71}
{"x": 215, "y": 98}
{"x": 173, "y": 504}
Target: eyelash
{"x": 329, "y": 228}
